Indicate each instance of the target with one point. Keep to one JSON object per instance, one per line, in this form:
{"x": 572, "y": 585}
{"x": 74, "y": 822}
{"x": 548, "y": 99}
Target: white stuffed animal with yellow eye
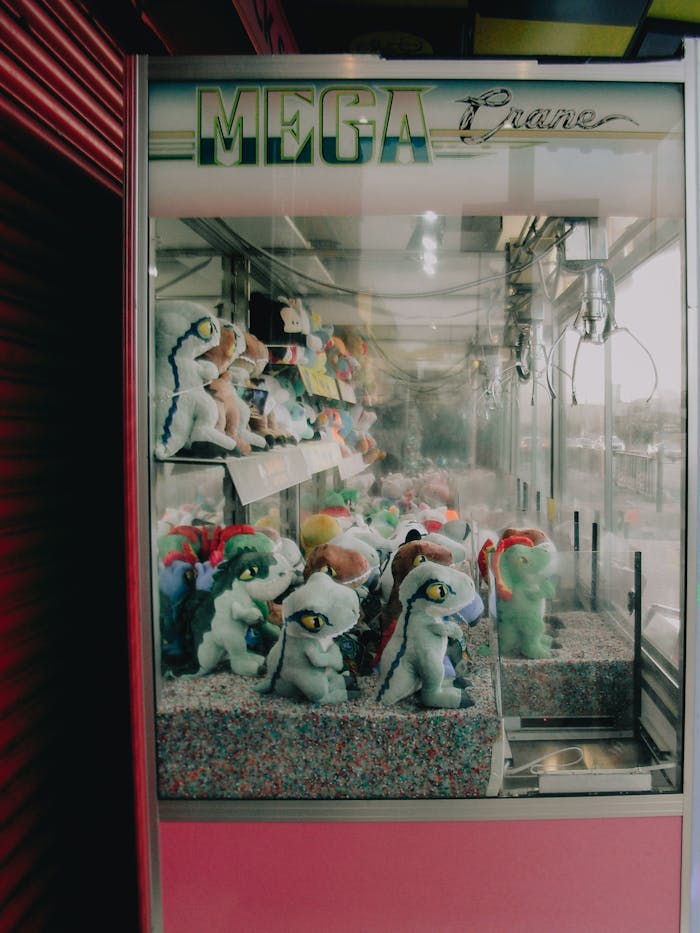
{"x": 185, "y": 413}
{"x": 305, "y": 661}
{"x": 413, "y": 660}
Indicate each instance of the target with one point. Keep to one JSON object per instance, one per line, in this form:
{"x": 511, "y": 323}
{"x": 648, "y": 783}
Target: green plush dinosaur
{"x": 522, "y": 572}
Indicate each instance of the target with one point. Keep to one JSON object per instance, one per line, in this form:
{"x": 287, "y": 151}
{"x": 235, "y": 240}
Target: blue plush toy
{"x": 176, "y": 581}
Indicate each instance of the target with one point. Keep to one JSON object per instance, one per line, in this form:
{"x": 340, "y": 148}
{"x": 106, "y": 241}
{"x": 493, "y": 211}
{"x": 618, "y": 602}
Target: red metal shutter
{"x": 62, "y": 79}
{"x": 66, "y": 801}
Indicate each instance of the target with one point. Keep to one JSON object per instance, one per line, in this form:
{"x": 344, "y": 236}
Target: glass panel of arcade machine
{"x": 558, "y": 460}
{"x": 475, "y": 344}
{"x": 586, "y": 597}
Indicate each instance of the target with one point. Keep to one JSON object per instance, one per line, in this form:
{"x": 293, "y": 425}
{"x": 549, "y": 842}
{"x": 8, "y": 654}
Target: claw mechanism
{"x": 595, "y": 323}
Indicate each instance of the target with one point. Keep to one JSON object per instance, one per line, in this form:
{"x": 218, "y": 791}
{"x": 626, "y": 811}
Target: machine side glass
{"x": 418, "y": 438}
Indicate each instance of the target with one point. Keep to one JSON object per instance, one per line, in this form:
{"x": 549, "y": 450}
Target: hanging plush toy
{"x": 306, "y": 661}
{"x": 339, "y": 363}
{"x": 186, "y": 415}
{"x": 413, "y": 660}
{"x": 299, "y": 421}
{"x": 278, "y": 419}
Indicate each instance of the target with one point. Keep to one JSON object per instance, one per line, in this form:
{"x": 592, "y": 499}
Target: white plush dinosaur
{"x": 185, "y": 413}
{"x": 412, "y": 661}
{"x": 305, "y": 661}
{"x": 242, "y": 586}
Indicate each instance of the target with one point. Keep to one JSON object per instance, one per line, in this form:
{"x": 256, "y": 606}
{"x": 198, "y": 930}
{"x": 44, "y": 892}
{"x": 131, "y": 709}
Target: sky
{"x": 648, "y": 303}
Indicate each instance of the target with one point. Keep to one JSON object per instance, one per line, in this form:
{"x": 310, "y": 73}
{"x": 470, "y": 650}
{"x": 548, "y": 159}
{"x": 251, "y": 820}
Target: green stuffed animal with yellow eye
{"x": 244, "y": 583}
{"x": 522, "y": 572}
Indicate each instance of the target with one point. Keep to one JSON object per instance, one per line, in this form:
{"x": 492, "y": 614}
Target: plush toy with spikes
{"x": 522, "y": 576}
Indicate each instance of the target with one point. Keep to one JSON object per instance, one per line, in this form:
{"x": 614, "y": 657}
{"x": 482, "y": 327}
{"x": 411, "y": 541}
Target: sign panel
{"x": 369, "y": 147}
{"x": 273, "y": 473}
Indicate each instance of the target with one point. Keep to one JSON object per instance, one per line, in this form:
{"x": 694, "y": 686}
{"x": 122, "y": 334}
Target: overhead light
{"x": 427, "y": 233}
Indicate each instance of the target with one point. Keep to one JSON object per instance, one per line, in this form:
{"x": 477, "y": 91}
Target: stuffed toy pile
{"x": 223, "y": 389}
{"x": 312, "y": 617}
{"x": 341, "y": 613}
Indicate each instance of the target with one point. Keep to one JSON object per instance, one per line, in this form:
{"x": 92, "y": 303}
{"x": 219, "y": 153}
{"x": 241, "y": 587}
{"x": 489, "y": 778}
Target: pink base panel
{"x": 576, "y": 876}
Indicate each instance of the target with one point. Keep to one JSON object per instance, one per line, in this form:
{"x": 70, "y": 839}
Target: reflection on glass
{"x": 508, "y": 387}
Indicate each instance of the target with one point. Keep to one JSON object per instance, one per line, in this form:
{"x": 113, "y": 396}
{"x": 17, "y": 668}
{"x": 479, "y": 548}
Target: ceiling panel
{"x": 547, "y": 29}
{"x": 544, "y": 39}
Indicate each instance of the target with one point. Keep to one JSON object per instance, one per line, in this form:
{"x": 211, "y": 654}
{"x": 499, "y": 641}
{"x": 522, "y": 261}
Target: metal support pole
{"x": 637, "y": 672}
{"x": 594, "y": 567}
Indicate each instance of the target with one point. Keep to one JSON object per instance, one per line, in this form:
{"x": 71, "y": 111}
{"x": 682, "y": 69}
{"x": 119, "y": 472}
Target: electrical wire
{"x": 536, "y": 765}
{"x": 402, "y": 296}
{"x": 532, "y": 766}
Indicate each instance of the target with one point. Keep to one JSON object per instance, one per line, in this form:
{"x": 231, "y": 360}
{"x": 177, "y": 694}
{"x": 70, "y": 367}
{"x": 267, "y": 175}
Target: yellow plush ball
{"x": 318, "y": 529}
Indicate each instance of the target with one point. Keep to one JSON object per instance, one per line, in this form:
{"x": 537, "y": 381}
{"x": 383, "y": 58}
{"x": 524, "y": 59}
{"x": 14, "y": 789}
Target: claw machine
{"x": 413, "y": 430}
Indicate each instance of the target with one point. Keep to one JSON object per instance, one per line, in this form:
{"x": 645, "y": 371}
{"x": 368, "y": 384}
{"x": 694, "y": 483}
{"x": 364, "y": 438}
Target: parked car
{"x": 526, "y": 443}
{"x": 671, "y": 450}
{"x": 616, "y": 443}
